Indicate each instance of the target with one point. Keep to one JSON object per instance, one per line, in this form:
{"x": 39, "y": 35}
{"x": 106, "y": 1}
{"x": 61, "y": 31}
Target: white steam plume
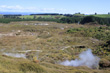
{"x": 86, "y": 58}
{"x": 17, "y": 55}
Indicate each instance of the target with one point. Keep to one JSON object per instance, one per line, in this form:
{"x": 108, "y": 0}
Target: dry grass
{"x": 56, "y": 45}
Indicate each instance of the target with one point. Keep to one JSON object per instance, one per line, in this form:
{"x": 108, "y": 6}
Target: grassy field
{"x": 41, "y": 16}
{"x": 54, "y": 42}
{"x": 102, "y": 15}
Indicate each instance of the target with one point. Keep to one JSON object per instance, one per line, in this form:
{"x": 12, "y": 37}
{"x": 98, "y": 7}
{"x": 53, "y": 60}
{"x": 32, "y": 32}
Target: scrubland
{"x": 51, "y": 43}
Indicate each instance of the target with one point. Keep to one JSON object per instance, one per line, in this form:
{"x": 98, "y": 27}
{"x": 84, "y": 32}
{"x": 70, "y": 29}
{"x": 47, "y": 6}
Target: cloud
{"x": 5, "y": 7}
{"x": 18, "y": 8}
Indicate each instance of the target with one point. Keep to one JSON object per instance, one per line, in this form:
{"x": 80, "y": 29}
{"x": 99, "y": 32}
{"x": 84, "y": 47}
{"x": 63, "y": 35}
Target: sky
{"x": 56, "y": 6}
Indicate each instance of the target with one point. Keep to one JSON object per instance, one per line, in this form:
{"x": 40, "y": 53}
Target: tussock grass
{"x": 55, "y": 43}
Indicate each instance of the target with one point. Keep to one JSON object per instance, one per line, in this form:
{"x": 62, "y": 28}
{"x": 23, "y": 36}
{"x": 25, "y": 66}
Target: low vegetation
{"x": 55, "y": 43}
{"x": 100, "y": 33}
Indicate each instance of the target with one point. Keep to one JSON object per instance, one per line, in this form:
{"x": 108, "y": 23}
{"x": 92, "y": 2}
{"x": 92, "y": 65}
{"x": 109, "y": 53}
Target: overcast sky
{"x": 56, "y": 6}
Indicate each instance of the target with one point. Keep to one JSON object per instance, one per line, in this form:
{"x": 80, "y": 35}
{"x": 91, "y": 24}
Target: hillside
{"x": 40, "y": 47}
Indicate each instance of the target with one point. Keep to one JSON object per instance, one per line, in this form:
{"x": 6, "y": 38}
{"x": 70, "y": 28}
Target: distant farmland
{"x": 102, "y": 15}
{"x": 41, "y": 16}
{"x": 103, "y": 19}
